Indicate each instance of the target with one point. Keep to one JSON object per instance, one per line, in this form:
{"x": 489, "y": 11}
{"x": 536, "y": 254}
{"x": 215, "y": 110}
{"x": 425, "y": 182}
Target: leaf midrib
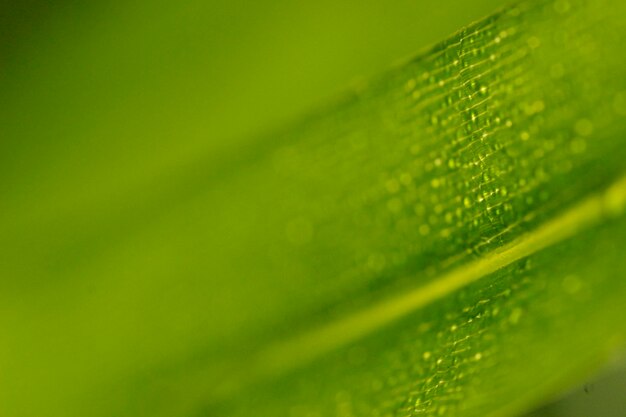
{"x": 291, "y": 353}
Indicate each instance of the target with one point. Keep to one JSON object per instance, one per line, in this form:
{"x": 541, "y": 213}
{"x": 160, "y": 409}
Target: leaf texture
{"x": 444, "y": 240}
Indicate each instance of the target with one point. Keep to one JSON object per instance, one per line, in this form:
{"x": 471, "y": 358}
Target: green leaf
{"x": 443, "y": 240}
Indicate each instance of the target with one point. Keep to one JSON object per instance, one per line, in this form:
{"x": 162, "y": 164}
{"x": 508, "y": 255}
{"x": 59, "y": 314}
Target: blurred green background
{"x": 118, "y": 90}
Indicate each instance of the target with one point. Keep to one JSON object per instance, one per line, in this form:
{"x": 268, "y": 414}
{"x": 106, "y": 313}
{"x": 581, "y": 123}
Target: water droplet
{"x": 515, "y": 316}
{"x": 572, "y": 284}
{"x": 583, "y": 127}
{"x": 419, "y": 209}
{"x": 534, "y": 42}
{"x": 392, "y": 186}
